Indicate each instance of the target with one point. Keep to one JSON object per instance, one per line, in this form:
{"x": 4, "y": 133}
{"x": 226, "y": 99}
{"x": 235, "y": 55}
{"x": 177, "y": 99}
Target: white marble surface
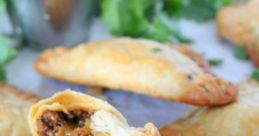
{"x": 138, "y": 109}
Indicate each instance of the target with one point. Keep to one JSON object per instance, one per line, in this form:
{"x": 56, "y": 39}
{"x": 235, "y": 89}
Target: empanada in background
{"x": 14, "y": 107}
{"x": 240, "y": 25}
{"x": 236, "y": 119}
{"x": 139, "y": 66}
{"x": 70, "y": 113}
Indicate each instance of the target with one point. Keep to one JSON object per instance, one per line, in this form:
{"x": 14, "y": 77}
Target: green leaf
{"x": 240, "y": 52}
{"x": 156, "y": 50}
{"x": 127, "y": 17}
{"x": 164, "y": 29}
{"x": 7, "y": 52}
{"x": 255, "y": 74}
{"x": 2, "y": 74}
{"x": 215, "y": 62}
{"x": 174, "y": 7}
{"x": 203, "y": 10}
{"x": 2, "y": 4}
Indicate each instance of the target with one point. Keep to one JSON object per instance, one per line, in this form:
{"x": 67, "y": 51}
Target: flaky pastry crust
{"x": 102, "y": 118}
{"x": 240, "y": 24}
{"x": 139, "y": 66}
{"x": 14, "y": 107}
{"x": 236, "y": 119}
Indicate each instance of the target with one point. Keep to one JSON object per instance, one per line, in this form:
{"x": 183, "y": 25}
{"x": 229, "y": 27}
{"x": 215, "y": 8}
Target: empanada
{"x": 74, "y": 114}
{"x": 236, "y": 119}
{"x": 14, "y": 107}
{"x": 139, "y": 66}
{"x": 240, "y": 24}
{"x": 199, "y": 59}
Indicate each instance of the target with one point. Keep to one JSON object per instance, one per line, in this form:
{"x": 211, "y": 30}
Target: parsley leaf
{"x": 2, "y": 74}
{"x": 240, "y": 52}
{"x": 156, "y": 50}
{"x": 140, "y": 18}
{"x": 198, "y": 10}
{"x": 215, "y": 62}
{"x": 163, "y": 29}
{"x": 127, "y": 17}
{"x": 7, "y": 53}
{"x": 255, "y": 74}
{"x": 2, "y": 4}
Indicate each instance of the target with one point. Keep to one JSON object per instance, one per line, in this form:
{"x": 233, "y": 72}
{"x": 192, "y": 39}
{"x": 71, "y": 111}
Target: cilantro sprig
{"x": 240, "y": 52}
{"x": 255, "y": 74}
{"x": 153, "y": 18}
{"x": 215, "y": 62}
{"x": 7, "y": 53}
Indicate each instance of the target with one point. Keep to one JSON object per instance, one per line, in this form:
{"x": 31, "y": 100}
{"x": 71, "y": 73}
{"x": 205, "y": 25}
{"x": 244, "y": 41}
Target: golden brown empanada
{"x": 240, "y": 24}
{"x": 14, "y": 107}
{"x": 74, "y": 114}
{"x": 139, "y": 66}
{"x": 236, "y": 119}
{"x": 199, "y": 59}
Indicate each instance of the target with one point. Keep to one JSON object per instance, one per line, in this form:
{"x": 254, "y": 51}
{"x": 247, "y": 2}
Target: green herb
{"x": 127, "y": 17}
{"x": 7, "y": 53}
{"x": 215, "y": 62}
{"x": 255, "y": 74}
{"x": 240, "y": 52}
{"x": 164, "y": 29}
{"x": 140, "y": 18}
{"x": 199, "y": 10}
{"x": 2, "y": 4}
{"x": 2, "y": 74}
{"x": 156, "y": 50}
{"x": 174, "y": 7}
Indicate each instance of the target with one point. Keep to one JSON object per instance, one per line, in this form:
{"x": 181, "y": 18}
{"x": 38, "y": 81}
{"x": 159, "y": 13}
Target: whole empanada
{"x": 74, "y": 114}
{"x": 236, "y": 119}
{"x": 139, "y": 66}
{"x": 240, "y": 25}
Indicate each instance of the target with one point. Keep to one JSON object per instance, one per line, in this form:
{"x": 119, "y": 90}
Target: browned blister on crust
{"x": 138, "y": 66}
{"x": 195, "y": 56}
{"x": 239, "y": 118}
{"x": 240, "y": 24}
{"x": 210, "y": 89}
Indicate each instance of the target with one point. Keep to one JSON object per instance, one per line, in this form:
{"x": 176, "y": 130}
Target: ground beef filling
{"x": 74, "y": 123}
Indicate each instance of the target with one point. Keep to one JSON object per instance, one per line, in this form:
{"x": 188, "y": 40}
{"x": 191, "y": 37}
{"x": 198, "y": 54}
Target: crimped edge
{"x": 210, "y": 90}
{"x": 21, "y": 94}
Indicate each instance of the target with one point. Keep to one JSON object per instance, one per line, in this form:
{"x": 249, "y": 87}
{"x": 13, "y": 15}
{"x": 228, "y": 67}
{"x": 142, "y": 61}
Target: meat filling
{"x": 74, "y": 123}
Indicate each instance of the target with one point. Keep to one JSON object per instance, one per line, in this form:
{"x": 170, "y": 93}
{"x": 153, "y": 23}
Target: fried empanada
{"x": 14, "y": 107}
{"x": 70, "y": 113}
{"x": 240, "y": 24}
{"x": 139, "y": 66}
{"x": 195, "y": 56}
{"x": 236, "y": 119}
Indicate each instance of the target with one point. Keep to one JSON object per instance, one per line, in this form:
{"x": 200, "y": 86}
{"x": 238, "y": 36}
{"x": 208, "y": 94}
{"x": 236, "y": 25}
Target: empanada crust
{"x": 139, "y": 66}
{"x": 236, "y": 119}
{"x": 240, "y": 24}
{"x": 14, "y": 107}
{"x": 69, "y": 100}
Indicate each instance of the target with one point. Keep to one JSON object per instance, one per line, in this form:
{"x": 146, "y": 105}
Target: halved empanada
{"x": 74, "y": 114}
{"x": 140, "y": 66}
{"x": 236, "y": 119}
